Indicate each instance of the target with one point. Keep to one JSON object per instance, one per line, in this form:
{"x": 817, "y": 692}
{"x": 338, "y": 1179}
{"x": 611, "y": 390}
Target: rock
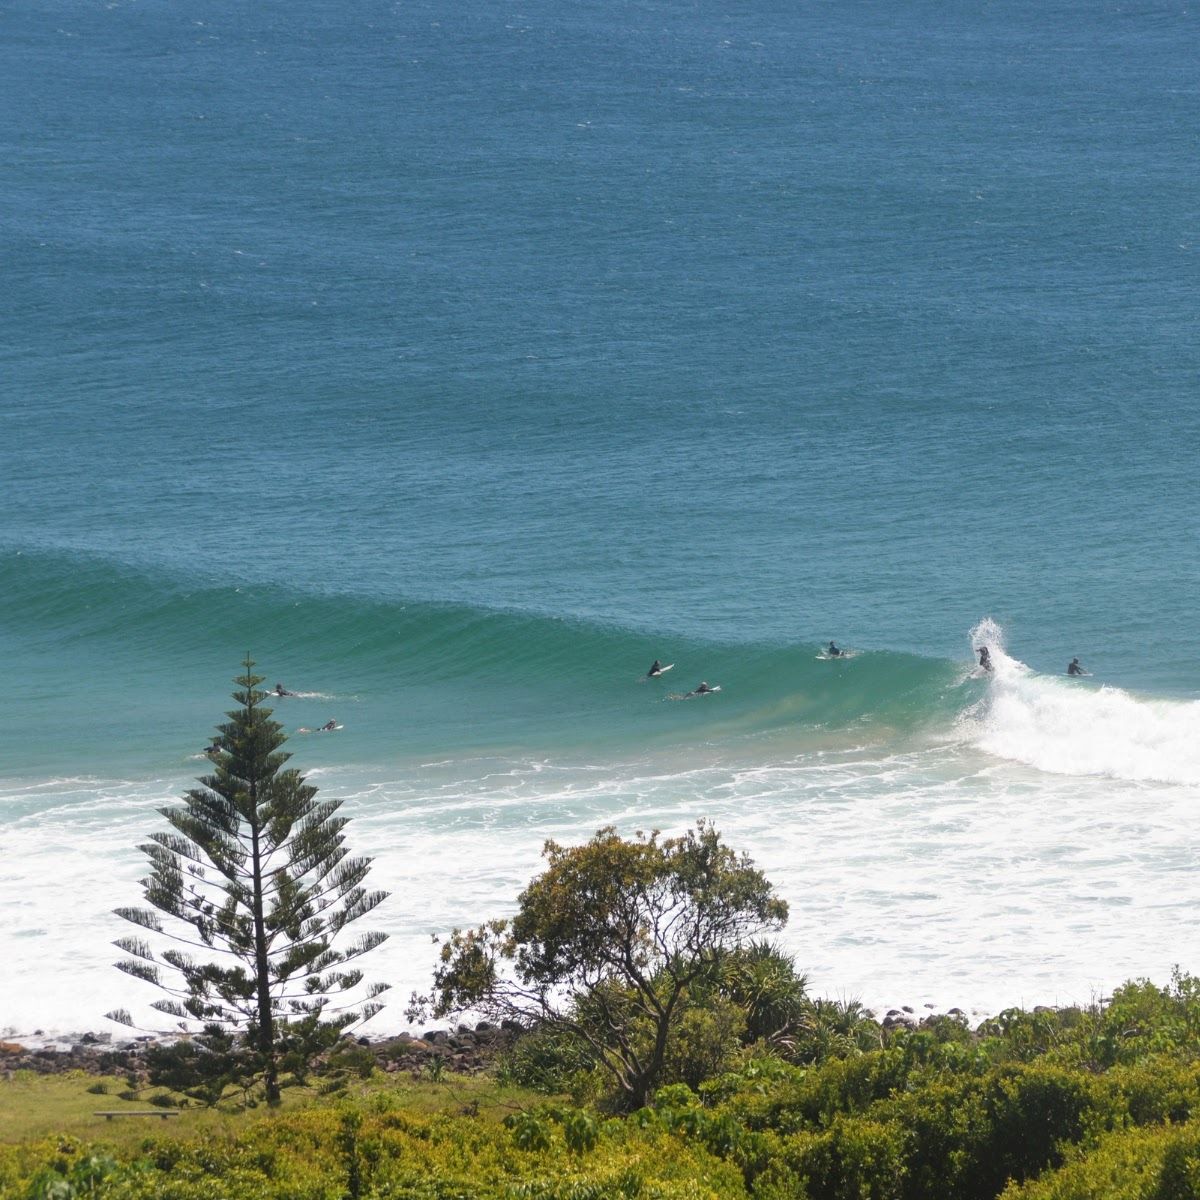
{"x": 893, "y": 1012}
{"x": 906, "y": 1008}
{"x": 485, "y": 1027}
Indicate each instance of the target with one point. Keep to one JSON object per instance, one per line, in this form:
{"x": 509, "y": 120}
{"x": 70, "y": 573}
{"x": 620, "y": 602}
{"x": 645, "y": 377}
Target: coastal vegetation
{"x": 646, "y": 1041}
{"x": 257, "y": 873}
{"x": 1095, "y": 1103}
{"x": 615, "y": 949}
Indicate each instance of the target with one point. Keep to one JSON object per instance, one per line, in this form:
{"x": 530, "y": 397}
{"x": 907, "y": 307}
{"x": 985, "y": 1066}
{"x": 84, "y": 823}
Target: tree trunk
{"x": 262, "y": 972}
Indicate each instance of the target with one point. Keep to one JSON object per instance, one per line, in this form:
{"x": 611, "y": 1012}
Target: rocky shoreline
{"x": 464, "y": 1050}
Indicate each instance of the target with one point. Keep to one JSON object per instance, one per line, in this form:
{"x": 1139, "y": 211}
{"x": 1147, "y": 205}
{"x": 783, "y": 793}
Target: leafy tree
{"x": 256, "y": 871}
{"x": 608, "y": 943}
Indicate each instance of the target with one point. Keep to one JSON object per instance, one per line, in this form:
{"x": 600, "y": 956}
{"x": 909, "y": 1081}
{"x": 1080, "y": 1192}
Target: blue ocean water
{"x": 458, "y": 361}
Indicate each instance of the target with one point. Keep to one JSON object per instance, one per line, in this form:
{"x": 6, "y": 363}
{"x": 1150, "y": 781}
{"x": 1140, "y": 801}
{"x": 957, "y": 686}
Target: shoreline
{"x": 468, "y": 1049}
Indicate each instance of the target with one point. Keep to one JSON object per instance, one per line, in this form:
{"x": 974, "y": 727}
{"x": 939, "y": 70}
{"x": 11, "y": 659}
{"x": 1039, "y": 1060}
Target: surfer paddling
{"x": 280, "y": 690}
{"x": 985, "y": 658}
{"x": 834, "y": 652}
{"x": 703, "y": 689}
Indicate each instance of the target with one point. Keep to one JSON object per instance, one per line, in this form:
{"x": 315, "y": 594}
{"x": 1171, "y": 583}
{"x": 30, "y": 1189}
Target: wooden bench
{"x": 164, "y": 1113}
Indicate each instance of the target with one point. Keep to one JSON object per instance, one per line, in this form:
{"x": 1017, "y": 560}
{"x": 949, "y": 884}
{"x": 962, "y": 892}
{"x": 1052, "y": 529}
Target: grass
{"x": 34, "y": 1106}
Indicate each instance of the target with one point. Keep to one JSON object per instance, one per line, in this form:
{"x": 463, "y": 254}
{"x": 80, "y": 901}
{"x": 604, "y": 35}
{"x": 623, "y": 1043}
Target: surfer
{"x": 1073, "y": 668}
{"x": 656, "y": 668}
{"x": 215, "y": 748}
{"x": 280, "y": 690}
{"x": 985, "y": 658}
{"x": 703, "y": 690}
{"x": 834, "y": 652}
{"x": 328, "y": 726}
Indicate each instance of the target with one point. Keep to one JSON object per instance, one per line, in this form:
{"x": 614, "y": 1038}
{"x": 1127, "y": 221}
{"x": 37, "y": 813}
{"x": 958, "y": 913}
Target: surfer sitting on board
{"x": 834, "y": 652}
{"x": 985, "y": 658}
{"x": 1073, "y": 668}
{"x": 656, "y": 668}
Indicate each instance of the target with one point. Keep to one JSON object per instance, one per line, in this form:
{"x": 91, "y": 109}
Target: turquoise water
{"x": 458, "y": 363}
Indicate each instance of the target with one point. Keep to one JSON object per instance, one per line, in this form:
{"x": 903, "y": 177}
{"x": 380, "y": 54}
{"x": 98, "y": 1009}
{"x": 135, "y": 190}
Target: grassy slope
{"x": 35, "y": 1106}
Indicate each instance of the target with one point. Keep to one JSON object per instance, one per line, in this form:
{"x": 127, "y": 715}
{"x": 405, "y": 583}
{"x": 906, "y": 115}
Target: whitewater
{"x": 942, "y": 835}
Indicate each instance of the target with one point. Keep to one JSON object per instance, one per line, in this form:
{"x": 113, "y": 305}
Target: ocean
{"x": 458, "y": 361}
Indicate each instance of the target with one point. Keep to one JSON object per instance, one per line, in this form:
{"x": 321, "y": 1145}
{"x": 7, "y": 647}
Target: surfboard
{"x": 825, "y": 656}
{"x": 712, "y": 691}
{"x": 305, "y": 729}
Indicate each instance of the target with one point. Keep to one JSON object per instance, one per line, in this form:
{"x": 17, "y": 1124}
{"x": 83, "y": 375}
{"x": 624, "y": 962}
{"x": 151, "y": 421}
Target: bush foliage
{"x": 1100, "y": 1103}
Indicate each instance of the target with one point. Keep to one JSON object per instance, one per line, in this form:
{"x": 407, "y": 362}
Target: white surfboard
{"x": 660, "y": 671}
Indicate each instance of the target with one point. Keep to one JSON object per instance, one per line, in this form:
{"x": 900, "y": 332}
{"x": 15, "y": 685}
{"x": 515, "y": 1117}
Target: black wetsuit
{"x": 985, "y": 658}
{"x": 656, "y": 668}
{"x": 1074, "y": 668}
{"x": 834, "y": 652}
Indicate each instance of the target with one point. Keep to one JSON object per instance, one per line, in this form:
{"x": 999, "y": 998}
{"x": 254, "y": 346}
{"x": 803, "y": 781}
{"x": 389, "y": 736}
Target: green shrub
{"x": 1157, "y": 1163}
{"x": 546, "y": 1060}
{"x": 762, "y": 980}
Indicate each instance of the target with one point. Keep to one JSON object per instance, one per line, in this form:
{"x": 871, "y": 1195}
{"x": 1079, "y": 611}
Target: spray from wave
{"x": 1079, "y": 727}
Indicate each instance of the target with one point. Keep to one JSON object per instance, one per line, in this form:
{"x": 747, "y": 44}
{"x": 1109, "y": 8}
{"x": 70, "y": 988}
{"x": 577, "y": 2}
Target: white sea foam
{"x": 1078, "y": 727}
{"x": 938, "y": 874}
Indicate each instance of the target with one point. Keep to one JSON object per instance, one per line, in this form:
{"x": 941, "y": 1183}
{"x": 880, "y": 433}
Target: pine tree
{"x": 258, "y": 872}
